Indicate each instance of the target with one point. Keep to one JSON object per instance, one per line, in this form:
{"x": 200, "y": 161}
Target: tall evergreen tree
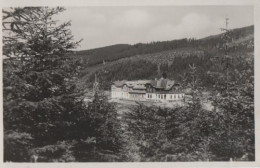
{"x": 40, "y": 97}
{"x": 105, "y": 126}
{"x": 234, "y": 105}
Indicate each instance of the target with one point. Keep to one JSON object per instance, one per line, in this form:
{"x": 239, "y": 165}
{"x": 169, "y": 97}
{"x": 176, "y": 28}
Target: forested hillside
{"x": 174, "y": 59}
{"x": 115, "y": 52}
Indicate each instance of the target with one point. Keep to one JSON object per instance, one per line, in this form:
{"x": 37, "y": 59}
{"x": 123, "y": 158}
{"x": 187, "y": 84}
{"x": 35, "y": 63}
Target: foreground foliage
{"x": 45, "y": 117}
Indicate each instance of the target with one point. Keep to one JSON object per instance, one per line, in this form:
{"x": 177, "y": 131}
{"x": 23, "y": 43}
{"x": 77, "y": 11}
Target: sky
{"x": 104, "y": 26}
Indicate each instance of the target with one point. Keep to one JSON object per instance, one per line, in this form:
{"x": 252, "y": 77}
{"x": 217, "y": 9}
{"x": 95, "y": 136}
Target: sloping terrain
{"x": 114, "y": 52}
{"x": 181, "y": 53}
{"x": 164, "y": 57}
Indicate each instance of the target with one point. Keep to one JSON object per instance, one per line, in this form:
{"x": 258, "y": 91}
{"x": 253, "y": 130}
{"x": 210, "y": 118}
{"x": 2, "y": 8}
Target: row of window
{"x": 163, "y": 96}
{"x": 136, "y": 95}
{"x": 150, "y": 96}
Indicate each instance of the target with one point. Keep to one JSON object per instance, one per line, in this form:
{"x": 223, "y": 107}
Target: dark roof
{"x": 138, "y": 91}
{"x": 119, "y": 83}
{"x": 165, "y": 84}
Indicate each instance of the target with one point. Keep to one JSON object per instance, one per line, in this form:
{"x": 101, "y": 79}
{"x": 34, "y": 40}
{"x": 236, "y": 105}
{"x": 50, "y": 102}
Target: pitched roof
{"x": 169, "y": 84}
{"x": 119, "y": 83}
{"x": 138, "y": 91}
{"x": 162, "y": 83}
{"x": 138, "y": 84}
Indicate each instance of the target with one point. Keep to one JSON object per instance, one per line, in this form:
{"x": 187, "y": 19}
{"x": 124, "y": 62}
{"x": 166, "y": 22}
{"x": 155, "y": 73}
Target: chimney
{"x": 164, "y": 75}
{"x": 159, "y": 69}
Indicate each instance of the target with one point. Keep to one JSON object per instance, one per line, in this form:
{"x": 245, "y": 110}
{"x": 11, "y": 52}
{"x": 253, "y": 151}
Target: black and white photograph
{"x": 148, "y": 83}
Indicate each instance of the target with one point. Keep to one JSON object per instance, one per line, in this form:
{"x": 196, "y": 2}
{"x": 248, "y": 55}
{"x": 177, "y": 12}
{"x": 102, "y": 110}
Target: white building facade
{"x": 162, "y": 90}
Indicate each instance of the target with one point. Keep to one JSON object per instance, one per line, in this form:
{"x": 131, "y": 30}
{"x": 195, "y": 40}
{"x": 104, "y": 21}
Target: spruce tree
{"x": 105, "y": 126}
{"x": 40, "y": 95}
{"x": 234, "y": 137}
